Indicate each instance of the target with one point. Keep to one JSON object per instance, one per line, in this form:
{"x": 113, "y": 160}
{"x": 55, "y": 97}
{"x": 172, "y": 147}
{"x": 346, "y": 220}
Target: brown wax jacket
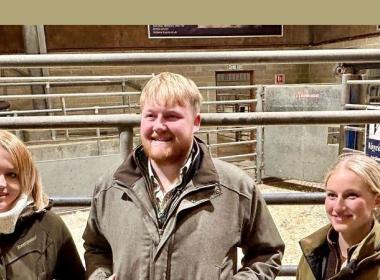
{"x": 363, "y": 261}
{"x": 41, "y": 247}
{"x": 219, "y": 210}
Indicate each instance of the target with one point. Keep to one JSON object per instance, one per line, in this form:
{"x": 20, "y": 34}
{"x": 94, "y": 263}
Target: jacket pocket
{"x": 26, "y": 259}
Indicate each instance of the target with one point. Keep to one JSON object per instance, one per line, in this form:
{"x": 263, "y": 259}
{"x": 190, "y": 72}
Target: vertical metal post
{"x": 5, "y": 89}
{"x": 126, "y": 99}
{"x": 49, "y": 106}
{"x": 259, "y": 137}
{"x": 126, "y": 141}
{"x": 208, "y": 142}
{"x": 363, "y": 99}
{"x": 98, "y": 133}
{"x": 63, "y": 105}
{"x": 35, "y": 43}
{"x": 345, "y": 99}
{"x": 18, "y": 132}
{"x": 208, "y": 99}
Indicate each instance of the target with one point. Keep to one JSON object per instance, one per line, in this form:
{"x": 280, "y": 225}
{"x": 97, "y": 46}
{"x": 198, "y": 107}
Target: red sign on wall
{"x": 279, "y": 79}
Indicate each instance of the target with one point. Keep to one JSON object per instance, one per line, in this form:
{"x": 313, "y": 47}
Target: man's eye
{"x": 172, "y": 117}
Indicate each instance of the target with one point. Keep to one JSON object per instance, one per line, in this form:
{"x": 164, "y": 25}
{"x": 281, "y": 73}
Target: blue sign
{"x": 373, "y": 148}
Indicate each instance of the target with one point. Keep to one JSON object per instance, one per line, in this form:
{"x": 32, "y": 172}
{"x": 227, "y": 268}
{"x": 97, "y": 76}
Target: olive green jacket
{"x": 363, "y": 261}
{"x": 41, "y": 247}
{"x": 219, "y": 211}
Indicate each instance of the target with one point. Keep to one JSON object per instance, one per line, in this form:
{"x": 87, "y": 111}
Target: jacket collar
{"x": 315, "y": 240}
{"x": 370, "y": 245}
{"x": 130, "y": 171}
{"x": 314, "y": 249}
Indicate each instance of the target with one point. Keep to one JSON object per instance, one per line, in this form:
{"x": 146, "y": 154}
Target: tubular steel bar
{"x": 290, "y": 198}
{"x": 70, "y": 79}
{"x": 272, "y": 56}
{"x": 288, "y": 270}
{"x": 210, "y": 119}
{"x": 237, "y": 156}
{"x": 228, "y": 129}
{"x": 363, "y": 82}
{"x": 239, "y": 101}
{"x": 233, "y": 143}
{"x": 228, "y": 87}
{"x": 60, "y": 95}
{"x": 65, "y": 201}
{"x": 278, "y": 198}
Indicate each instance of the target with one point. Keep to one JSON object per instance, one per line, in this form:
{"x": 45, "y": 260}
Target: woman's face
{"x": 349, "y": 203}
{"x": 10, "y": 188}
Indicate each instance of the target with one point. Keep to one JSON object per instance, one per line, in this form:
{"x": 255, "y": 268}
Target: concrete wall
{"x": 75, "y": 176}
{"x": 299, "y": 152}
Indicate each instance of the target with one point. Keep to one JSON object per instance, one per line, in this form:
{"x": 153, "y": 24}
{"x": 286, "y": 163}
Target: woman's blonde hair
{"x": 30, "y": 182}
{"x": 365, "y": 167}
{"x": 171, "y": 89}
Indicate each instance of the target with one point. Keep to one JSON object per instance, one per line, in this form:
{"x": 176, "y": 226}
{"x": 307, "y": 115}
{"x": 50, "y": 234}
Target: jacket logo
{"x": 26, "y": 243}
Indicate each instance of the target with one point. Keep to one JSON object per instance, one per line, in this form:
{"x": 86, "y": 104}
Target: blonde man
{"x": 170, "y": 211}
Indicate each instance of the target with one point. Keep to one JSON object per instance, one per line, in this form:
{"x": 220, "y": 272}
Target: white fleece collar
{"x": 9, "y": 218}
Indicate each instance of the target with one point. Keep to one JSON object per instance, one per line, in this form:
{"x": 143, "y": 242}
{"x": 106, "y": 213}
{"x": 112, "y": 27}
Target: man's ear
{"x": 197, "y": 123}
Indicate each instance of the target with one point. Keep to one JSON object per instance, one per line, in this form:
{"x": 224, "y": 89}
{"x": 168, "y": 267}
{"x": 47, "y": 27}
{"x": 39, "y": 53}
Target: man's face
{"x": 167, "y": 132}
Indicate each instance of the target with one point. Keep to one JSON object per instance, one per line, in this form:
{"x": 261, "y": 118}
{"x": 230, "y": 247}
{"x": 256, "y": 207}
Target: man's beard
{"x": 175, "y": 152}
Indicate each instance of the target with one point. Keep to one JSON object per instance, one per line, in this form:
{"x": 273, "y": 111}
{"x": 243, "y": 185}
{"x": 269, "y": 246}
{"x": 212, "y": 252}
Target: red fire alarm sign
{"x": 279, "y": 79}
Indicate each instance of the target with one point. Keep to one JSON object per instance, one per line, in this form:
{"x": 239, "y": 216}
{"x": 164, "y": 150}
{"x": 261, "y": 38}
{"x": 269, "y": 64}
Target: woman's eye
{"x": 331, "y": 195}
{"x": 352, "y": 195}
{"x": 12, "y": 175}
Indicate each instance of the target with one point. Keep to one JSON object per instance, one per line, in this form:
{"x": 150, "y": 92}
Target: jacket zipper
{"x": 174, "y": 206}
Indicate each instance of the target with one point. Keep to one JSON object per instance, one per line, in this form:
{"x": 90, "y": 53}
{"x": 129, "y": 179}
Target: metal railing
{"x": 64, "y": 80}
{"x": 61, "y": 108}
{"x": 124, "y": 59}
{"x": 283, "y": 198}
{"x": 125, "y": 123}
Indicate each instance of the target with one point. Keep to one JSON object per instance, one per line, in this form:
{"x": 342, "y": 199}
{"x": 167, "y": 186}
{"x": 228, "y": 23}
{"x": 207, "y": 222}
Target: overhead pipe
{"x": 208, "y": 57}
{"x": 208, "y": 119}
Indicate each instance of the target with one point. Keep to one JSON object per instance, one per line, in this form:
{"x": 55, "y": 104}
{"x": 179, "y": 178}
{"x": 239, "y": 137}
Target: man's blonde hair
{"x": 365, "y": 167}
{"x": 171, "y": 89}
{"x": 29, "y": 178}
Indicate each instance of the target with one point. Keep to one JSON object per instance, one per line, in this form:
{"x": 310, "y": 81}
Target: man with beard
{"x": 170, "y": 211}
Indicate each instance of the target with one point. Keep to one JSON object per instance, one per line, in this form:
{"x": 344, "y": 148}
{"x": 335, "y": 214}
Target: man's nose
{"x": 159, "y": 124}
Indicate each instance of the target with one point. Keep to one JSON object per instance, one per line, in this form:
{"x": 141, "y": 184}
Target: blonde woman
{"x": 349, "y": 247}
{"x": 34, "y": 242}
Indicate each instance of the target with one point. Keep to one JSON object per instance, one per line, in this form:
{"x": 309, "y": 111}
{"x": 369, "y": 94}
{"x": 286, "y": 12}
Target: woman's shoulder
{"x": 50, "y": 219}
{"x": 47, "y": 221}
